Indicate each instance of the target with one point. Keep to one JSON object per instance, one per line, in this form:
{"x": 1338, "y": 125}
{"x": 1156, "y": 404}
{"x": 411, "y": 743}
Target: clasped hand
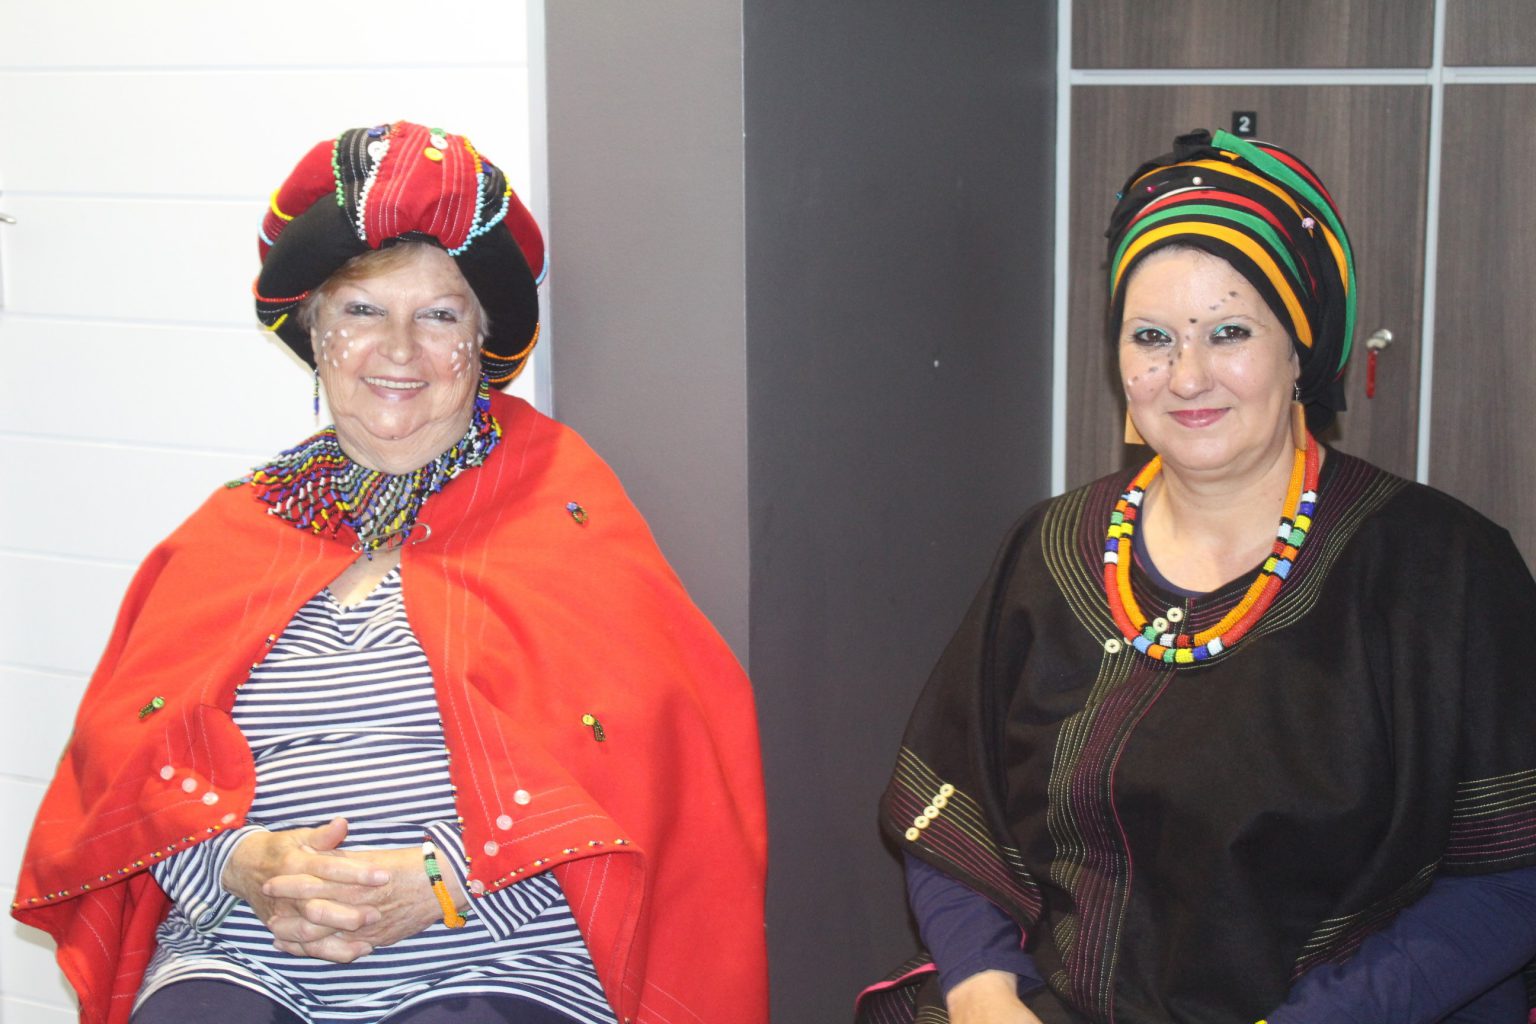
{"x": 324, "y": 902}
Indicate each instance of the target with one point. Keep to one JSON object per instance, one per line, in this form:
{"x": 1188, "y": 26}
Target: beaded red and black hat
{"x": 372, "y": 187}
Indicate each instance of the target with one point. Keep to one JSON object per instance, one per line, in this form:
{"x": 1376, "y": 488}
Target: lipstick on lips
{"x": 1197, "y": 418}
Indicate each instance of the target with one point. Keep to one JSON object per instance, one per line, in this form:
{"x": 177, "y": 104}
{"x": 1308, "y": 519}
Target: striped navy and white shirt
{"x": 342, "y": 720}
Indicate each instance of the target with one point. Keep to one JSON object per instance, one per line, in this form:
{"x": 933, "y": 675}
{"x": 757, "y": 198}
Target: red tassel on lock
{"x": 1373, "y": 346}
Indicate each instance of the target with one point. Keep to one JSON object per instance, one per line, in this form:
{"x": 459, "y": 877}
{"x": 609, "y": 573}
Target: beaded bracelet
{"x": 451, "y": 916}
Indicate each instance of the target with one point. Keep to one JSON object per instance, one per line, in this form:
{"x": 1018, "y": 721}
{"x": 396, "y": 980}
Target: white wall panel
{"x": 27, "y": 971}
{"x": 58, "y": 614}
{"x": 209, "y": 388}
{"x": 18, "y": 802}
{"x": 272, "y": 34}
{"x": 130, "y": 361}
{"x": 40, "y": 710}
{"x": 202, "y": 116}
{"x": 116, "y": 501}
{"x": 19, "y": 1011}
{"x": 87, "y": 257}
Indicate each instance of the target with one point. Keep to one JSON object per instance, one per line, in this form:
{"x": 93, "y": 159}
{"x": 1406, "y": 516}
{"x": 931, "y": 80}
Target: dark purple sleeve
{"x": 964, "y": 931}
{"x": 1453, "y": 956}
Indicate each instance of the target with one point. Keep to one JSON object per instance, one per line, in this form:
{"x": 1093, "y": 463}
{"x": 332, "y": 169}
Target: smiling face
{"x": 399, "y": 356}
{"x": 1207, "y": 368}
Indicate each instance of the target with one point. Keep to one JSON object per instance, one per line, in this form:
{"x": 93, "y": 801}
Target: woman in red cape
{"x": 414, "y": 721}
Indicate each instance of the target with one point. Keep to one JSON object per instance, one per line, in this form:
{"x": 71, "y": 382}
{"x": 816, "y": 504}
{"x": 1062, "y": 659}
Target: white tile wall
{"x": 142, "y": 142}
{"x": 273, "y": 34}
{"x": 238, "y": 384}
{"x": 39, "y": 717}
{"x": 27, "y": 971}
{"x": 174, "y": 132}
{"x": 76, "y": 524}
{"x": 57, "y": 615}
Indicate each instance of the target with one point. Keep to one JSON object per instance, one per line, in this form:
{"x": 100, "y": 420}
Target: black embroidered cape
{"x": 1182, "y": 843}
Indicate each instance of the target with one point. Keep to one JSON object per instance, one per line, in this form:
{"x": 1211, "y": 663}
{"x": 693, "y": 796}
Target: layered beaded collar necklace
{"x": 1160, "y": 639}
{"x": 316, "y": 487}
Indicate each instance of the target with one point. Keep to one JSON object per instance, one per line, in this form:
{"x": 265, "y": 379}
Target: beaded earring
{"x": 483, "y": 394}
{"x": 1298, "y": 419}
{"x": 317, "y": 396}
{"x": 1132, "y": 435}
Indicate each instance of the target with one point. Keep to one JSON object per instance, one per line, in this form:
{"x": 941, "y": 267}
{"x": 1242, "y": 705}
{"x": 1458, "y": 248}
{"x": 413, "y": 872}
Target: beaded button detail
{"x": 1153, "y": 639}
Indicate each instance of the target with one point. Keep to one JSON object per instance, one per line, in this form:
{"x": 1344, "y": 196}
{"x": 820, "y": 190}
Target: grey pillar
{"x": 647, "y": 287}
{"x": 833, "y": 340}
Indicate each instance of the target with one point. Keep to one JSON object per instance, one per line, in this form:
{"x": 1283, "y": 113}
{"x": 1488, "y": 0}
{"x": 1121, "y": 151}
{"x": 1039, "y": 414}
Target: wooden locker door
{"x": 1254, "y": 33}
{"x": 1485, "y": 304}
{"x": 1490, "y": 33}
{"x": 1368, "y": 143}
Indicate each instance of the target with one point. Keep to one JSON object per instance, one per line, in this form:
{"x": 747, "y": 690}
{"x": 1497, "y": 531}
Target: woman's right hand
{"x": 988, "y": 997}
{"x": 305, "y": 927}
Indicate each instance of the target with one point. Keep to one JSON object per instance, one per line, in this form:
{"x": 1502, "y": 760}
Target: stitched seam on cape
{"x": 1493, "y": 821}
{"x": 1317, "y": 560}
{"x": 680, "y": 1004}
{"x": 1337, "y": 938}
{"x": 1088, "y": 860}
{"x": 1083, "y": 591}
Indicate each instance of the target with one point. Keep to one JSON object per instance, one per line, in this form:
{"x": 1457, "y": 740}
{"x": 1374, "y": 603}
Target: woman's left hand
{"x": 406, "y": 903}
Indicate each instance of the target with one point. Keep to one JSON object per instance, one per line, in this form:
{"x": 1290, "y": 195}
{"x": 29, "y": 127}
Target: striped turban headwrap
{"x": 369, "y": 188}
{"x": 1268, "y": 215}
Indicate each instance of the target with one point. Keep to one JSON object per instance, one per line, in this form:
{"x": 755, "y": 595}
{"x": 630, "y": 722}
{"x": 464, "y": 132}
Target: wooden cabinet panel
{"x": 1253, "y": 33}
{"x": 1485, "y": 372}
{"x": 1490, "y": 33}
{"x": 1369, "y": 144}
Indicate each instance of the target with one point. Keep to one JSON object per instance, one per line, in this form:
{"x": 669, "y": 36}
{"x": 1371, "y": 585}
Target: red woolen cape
{"x": 530, "y": 621}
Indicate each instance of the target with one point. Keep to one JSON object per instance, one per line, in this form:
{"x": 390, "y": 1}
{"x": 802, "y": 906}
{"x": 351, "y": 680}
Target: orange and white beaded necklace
{"x": 1158, "y": 639}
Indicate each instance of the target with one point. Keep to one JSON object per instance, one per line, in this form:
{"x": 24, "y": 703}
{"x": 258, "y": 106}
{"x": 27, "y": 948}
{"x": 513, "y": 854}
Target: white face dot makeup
{"x": 400, "y": 360}
{"x": 461, "y": 357}
{"x": 1215, "y": 393}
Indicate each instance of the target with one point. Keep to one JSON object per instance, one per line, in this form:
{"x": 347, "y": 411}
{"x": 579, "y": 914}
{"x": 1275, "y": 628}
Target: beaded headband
{"x": 1268, "y": 215}
{"x": 372, "y": 187}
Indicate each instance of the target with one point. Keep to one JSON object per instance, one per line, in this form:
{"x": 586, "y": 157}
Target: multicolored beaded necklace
{"x": 1153, "y": 639}
{"x": 315, "y": 486}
